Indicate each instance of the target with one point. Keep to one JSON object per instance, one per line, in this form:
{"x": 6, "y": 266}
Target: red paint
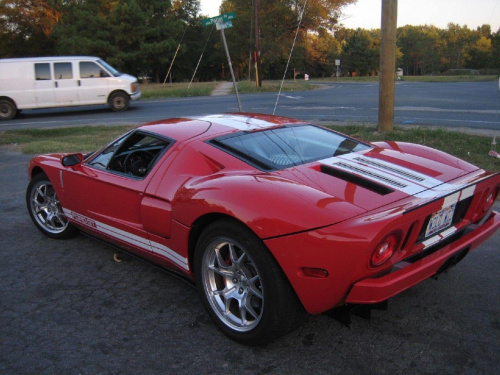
{"x": 321, "y": 229}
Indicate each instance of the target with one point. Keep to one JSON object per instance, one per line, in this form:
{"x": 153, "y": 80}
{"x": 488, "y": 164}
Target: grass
{"x": 472, "y": 148}
{"x": 176, "y": 90}
{"x": 248, "y": 87}
{"x": 74, "y": 139}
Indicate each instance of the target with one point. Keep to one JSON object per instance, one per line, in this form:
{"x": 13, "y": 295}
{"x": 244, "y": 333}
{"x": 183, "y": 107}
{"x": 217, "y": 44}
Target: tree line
{"x": 141, "y": 37}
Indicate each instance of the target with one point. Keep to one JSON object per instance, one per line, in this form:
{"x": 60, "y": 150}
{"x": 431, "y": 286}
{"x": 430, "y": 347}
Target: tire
{"x": 46, "y": 211}
{"x": 119, "y": 102}
{"x": 242, "y": 287}
{"x": 8, "y": 109}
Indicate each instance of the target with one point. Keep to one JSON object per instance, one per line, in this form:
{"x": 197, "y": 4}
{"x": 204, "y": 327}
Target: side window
{"x": 42, "y": 72}
{"x": 90, "y": 69}
{"x": 63, "y": 70}
{"x": 134, "y": 155}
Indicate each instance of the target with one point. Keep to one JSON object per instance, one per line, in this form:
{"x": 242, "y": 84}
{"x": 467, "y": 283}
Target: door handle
{"x": 55, "y": 83}
{"x": 79, "y": 83}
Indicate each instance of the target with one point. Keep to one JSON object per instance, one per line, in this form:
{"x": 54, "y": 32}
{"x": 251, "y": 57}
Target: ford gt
{"x": 271, "y": 218}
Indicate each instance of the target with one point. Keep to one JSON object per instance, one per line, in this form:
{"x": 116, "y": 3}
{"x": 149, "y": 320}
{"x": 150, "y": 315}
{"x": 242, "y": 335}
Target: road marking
{"x": 292, "y": 97}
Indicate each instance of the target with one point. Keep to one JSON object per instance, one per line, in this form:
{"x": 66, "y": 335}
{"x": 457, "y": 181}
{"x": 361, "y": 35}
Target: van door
{"x": 44, "y": 86}
{"x": 94, "y": 82}
{"x": 66, "y": 84}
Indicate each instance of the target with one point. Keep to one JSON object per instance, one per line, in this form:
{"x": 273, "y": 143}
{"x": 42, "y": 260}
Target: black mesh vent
{"x": 349, "y": 177}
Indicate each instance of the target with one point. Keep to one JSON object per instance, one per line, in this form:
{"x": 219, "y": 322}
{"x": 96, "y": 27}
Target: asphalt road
{"x": 468, "y": 105}
{"x": 67, "y": 308}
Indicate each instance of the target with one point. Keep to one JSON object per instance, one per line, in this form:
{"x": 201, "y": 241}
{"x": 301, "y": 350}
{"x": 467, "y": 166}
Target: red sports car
{"x": 272, "y": 218}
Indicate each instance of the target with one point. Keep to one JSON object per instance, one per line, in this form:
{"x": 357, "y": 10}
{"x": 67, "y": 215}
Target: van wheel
{"x": 119, "y": 102}
{"x": 7, "y": 109}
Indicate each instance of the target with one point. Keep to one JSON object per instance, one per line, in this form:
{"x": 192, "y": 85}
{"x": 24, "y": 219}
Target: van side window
{"x": 42, "y": 72}
{"x": 89, "y": 69}
{"x": 63, "y": 70}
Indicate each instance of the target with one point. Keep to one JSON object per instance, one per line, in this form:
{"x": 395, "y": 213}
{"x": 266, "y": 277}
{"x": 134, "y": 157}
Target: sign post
{"x": 223, "y": 22}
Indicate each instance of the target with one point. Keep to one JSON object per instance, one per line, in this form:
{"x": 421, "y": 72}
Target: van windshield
{"x": 109, "y": 68}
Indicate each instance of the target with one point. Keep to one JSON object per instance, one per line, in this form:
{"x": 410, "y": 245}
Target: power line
{"x": 290, "y": 56}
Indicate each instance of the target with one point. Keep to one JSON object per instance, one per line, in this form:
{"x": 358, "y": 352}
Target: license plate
{"x": 440, "y": 220}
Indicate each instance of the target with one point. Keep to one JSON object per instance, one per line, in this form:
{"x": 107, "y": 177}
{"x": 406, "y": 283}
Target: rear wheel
{"x": 8, "y": 109}
{"x": 45, "y": 210}
{"x": 119, "y": 102}
{"x": 242, "y": 287}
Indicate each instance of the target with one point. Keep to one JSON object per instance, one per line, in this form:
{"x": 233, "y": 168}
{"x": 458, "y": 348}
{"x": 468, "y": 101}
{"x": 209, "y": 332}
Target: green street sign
{"x": 224, "y": 25}
{"x": 219, "y": 19}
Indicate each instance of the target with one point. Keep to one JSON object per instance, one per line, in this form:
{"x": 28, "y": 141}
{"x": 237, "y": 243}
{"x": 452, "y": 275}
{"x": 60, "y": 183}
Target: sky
{"x": 367, "y": 13}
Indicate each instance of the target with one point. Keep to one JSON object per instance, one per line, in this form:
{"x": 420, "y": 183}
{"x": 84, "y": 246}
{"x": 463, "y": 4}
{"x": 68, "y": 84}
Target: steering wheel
{"x": 137, "y": 162}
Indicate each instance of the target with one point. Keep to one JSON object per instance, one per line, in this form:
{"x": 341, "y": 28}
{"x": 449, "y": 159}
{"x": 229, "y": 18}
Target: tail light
{"x": 384, "y": 250}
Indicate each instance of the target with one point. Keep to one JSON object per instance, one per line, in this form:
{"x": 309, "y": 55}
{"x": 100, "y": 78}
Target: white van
{"x": 45, "y": 82}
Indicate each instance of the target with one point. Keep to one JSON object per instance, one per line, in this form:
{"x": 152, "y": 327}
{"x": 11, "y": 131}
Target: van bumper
{"x": 136, "y": 95}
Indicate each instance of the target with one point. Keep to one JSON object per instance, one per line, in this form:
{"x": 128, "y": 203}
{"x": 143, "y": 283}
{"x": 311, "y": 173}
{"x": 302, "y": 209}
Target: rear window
{"x": 280, "y": 148}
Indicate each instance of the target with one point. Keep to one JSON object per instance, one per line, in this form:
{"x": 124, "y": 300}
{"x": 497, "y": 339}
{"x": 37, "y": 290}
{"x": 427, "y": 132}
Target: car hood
{"x": 377, "y": 177}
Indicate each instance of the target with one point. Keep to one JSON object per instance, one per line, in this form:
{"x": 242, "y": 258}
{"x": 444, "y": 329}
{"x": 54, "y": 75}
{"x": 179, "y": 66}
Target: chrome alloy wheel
{"x": 232, "y": 285}
{"x": 46, "y": 208}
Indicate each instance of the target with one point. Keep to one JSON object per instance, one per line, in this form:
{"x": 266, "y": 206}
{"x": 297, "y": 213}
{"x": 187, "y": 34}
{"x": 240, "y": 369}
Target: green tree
{"x": 360, "y": 53}
{"x": 26, "y": 26}
{"x": 278, "y": 24}
{"x": 323, "y": 50}
{"x": 138, "y": 37}
{"x": 85, "y": 29}
{"x": 158, "y": 41}
{"x": 457, "y": 41}
{"x": 421, "y": 48}
{"x": 479, "y": 55}
{"x": 495, "y": 51}
{"x": 128, "y": 41}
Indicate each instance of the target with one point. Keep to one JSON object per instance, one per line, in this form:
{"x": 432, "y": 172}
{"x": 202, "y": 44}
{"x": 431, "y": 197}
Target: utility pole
{"x": 387, "y": 65}
{"x": 258, "y": 67}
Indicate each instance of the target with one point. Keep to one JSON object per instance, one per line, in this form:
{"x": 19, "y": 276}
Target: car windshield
{"x": 109, "y": 68}
{"x": 280, "y": 148}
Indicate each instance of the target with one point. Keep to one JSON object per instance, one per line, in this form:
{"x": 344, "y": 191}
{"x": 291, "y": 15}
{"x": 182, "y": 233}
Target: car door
{"x": 66, "y": 92}
{"x": 106, "y": 193}
{"x": 44, "y": 85}
{"x": 93, "y": 83}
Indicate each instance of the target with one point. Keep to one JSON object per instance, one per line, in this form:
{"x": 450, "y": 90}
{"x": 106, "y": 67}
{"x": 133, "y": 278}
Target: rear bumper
{"x": 374, "y": 290}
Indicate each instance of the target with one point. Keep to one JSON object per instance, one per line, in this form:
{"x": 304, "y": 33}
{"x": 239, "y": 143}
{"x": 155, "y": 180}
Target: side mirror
{"x": 71, "y": 160}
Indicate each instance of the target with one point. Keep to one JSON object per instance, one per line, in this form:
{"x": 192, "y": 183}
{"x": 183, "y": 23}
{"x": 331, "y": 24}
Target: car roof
{"x": 185, "y": 128}
{"x": 50, "y": 58}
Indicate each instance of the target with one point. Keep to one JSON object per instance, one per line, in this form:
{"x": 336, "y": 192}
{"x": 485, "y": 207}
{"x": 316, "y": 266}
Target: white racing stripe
{"x": 238, "y": 122}
{"x": 138, "y": 241}
{"x": 445, "y": 190}
{"x": 389, "y": 174}
{"x": 439, "y": 237}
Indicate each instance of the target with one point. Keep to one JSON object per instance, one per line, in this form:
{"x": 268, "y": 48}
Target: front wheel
{"x": 119, "y": 101}
{"x": 45, "y": 210}
{"x": 7, "y": 110}
{"x": 242, "y": 287}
